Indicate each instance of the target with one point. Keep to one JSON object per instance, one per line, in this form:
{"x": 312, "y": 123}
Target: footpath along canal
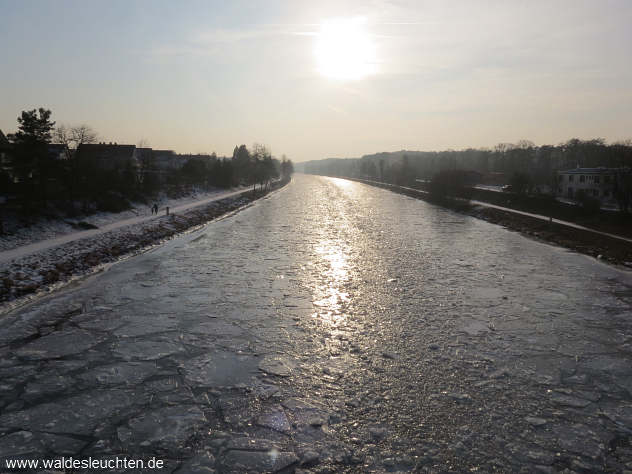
{"x": 330, "y": 327}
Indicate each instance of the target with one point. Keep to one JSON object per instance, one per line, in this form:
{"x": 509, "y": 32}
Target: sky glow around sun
{"x": 343, "y": 49}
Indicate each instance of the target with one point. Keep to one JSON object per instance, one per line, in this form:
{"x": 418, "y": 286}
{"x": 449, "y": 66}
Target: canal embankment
{"x": 616, "y": 250}
{"x": 27, "y": 276}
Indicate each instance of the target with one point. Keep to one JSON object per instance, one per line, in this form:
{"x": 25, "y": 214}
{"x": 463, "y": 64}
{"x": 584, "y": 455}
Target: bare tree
{"x": 262, "y": 158}
{"x": 144, "y": 160}
{"x": 525, "y": 144}
{"x": 61, "y": 135}
{"x": 82, "y": 134}
{"x": 72, "y": 137}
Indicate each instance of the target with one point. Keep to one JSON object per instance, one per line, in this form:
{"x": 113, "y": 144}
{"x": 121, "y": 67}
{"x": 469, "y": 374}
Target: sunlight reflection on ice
{"x": 335, "y": 256}
{"x": 330, "y": 296}
{"x": 343, "y": 183}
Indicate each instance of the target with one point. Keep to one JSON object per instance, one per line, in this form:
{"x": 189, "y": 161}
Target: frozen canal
{"x": 330, "y": 327}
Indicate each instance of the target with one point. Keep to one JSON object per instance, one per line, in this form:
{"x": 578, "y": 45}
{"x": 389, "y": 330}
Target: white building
{"x": 599, "y": 183}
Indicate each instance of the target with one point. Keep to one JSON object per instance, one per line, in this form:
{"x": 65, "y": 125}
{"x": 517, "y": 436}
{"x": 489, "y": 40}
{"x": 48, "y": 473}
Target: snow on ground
{"x": 40, "y": 266}
{"x": 50, "y": 232}
{"x": 489, "y": 187}
{"x": 53, "y": 264}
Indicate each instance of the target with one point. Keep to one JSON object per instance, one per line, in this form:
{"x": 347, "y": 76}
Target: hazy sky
{"x": 314, "y": 79}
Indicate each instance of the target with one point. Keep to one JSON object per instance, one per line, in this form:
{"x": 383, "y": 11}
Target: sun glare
{"x": 344, "y": 49}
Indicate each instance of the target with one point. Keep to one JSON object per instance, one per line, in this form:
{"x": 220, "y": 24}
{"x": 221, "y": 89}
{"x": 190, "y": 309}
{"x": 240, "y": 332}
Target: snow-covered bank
{"x": 41, "y": 245}
{"x": 17, "y": 235}
{"x": 55, "y": 265}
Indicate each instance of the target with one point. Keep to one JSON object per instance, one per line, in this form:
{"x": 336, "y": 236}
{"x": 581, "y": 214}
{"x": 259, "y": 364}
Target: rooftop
{"x": 3, "y": 140}
{"x": 107, "y": 152}
{"x": 600, "y": 170}
{"x": 56, "y": 147}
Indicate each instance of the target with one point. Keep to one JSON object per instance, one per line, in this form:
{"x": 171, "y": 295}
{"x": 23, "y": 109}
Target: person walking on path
{"x": 167, "y": 210}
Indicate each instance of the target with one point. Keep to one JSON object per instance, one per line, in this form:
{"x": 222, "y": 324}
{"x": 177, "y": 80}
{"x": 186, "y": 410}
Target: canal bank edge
{"x": 601, "y": 247}
{"x": 56, "y": 267}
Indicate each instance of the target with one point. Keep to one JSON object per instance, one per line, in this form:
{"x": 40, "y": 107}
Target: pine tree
{"x": 31, "y": 162}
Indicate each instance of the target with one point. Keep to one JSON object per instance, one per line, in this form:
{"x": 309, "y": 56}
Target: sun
{"x": 344, "y": 50}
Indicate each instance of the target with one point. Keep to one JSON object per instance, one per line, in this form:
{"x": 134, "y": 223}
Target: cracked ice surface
{"x": 330, "y": 327}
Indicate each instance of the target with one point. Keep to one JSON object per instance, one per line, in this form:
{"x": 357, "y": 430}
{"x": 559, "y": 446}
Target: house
{"x": 6, "y": 175}
{"x": 58, "y": 151}
{"x": 166, "y": 160}
{"x": 5, "y": 152}
{"x": 599, "y": 183}
{"x": 3, "y": 140}
{"x": 143, "y": 155}
{"x": 108, "y": 156}
{"x": 164, "y": 163}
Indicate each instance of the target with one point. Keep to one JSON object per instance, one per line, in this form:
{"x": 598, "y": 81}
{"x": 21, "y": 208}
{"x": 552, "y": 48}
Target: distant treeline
{"x": 41, "y": 163}
{"x": 539, "y": 163}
